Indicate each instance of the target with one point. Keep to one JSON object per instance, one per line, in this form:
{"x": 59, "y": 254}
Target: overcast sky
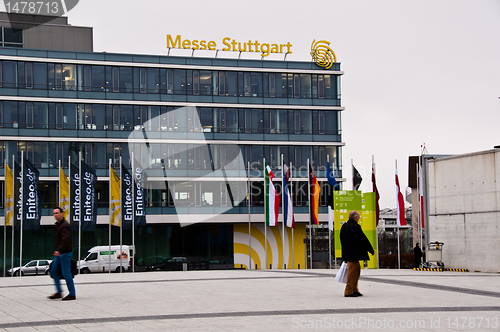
{"x": 415, "y": 71}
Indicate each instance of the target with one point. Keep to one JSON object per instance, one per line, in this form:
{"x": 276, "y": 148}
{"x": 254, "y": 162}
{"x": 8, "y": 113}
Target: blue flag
{"x": 334, "y": 186}
{"x": 331, "y": 177}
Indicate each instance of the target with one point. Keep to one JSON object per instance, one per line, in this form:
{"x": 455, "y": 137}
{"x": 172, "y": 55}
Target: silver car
{"x": 34, "y": 267}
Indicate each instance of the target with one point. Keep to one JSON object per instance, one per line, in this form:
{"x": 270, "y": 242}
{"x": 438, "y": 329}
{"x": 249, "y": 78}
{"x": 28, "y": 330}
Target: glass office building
{"x": 56, "y": 104}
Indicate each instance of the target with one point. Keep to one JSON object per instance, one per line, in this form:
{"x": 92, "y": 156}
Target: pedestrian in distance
{"x": 355, "y": 248}
{"x": 417, "y": 253}
{"x": 62, "y": 257}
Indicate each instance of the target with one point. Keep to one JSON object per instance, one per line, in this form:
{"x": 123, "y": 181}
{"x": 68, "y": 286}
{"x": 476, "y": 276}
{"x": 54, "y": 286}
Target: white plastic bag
{"x": 342, "y": 274}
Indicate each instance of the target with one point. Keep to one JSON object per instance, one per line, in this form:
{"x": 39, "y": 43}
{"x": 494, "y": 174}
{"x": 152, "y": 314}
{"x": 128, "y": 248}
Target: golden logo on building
{"x": 322, "y": 54}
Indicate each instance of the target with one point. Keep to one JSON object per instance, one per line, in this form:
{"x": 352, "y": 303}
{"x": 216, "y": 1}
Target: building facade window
{"x": 115, "y": 79}
{"x": 12, "y": 37}
{"x": 9, "y": 74}
{"x": 29, "y": 115}
{"x": 59, "y": 116}
{"x": 126, "y": 79}
{"x": 58, "y": 76}
{"x": 87, "y": 78}
{"x": 98, "y": 78}
{"x": 28, "y": 75}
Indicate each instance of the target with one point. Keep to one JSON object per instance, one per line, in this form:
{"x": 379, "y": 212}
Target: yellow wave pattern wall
{"x": 277, "y": 258}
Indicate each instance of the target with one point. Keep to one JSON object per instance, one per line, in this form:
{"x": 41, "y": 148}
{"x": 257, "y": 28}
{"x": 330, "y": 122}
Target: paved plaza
{"x": 256, "y": 300}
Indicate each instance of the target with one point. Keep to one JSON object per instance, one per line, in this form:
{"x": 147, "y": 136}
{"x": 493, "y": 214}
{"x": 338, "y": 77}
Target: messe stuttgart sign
{"x": 321, "y": 52}
{"x": 229, "y": 45}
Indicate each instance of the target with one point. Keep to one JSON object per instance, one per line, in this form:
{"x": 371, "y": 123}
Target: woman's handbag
{"x": 342, "y": 274}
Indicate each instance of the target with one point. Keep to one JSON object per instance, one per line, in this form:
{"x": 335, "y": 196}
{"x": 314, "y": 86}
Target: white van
{"x": 101, "y": 259}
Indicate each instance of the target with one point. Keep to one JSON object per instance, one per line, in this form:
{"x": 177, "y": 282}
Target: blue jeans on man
{"x": 63, "y": 263}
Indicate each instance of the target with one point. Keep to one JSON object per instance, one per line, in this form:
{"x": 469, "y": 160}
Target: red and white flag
{"x": 272, "y": 198}
{"x": 401, "y": 203}
{"x": 421, "y": 192}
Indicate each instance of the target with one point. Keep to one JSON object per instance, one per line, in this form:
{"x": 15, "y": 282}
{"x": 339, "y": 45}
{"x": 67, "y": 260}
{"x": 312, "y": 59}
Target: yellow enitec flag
{"x": 114, "y": 200}
{"x": 64, "y": 192}
{"x": 9, "y": 196}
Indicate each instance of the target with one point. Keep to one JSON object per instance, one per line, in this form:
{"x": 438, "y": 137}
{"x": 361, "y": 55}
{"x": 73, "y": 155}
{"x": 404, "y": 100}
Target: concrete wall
{"x": 464, "y": 202}
{"x": 67, "y": 38}
{"x": 46, "y": 32}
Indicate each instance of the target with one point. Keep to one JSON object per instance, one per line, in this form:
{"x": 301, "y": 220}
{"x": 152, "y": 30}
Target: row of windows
{"x": 39, "y": 115}
{"x": 187, "y": 194}
{"x": 217, "y": 194}
{"x": 170, "y": 156}
{"x": 57, "y": 76}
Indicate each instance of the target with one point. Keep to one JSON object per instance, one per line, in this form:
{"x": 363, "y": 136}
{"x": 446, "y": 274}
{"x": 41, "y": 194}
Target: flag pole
{"x": 419, "y": 190}
{"x": 249, "y": 221}
{"x": 80, "y": 208}
{"x": 265, "y": 212}
{"x": 69, "y": 193}
{"x": 133, "y": 210}
{"x": 329, "y": 231}
{"x": 418, "y": 193}
{"x": 310, "y": 226}
{"x": 121, "y": 219}
{"x": 333, "y": 204}
{"x": 376, "y": 217}
{"x": 59, "y": 172}
{"x": 22, "y": 215}
{"x": 293, "y": 246}
{"x": 110, "y": 216}
{"x": 397, "y": 219}
{"x": 69, "y": 203}
{"x": 13, "y": 223}
{"x": 283, "y": 209}
{"x": 5, "y": 215}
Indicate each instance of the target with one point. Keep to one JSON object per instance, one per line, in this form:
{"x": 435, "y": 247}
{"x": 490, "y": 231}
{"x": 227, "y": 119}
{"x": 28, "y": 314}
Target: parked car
{"x": 34, "y": 267}
{"x": 147, "y": 261}
{"x": 170, "y": 264}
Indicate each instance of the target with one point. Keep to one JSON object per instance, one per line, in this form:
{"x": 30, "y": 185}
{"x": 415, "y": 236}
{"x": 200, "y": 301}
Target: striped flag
{"x": 356, "y": 178}
{"x": 401, "y": 203}
{"x": 272, "y": 198}
{"x": 64, "y": 192}
{"x": 288, "y": 216}
{"x": 314, "y": 199}
{"x": 17, "y": 193}
{"x": 114, "y": 200}
{"x": 9, "y": 196}
{"x": 421, "y": 185}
